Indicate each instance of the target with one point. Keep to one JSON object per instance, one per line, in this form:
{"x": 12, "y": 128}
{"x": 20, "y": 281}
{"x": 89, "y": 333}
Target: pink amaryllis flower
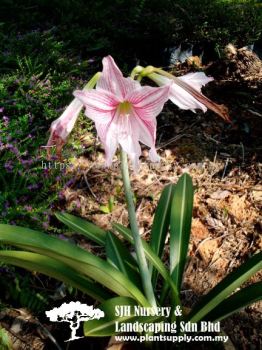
{"x": 62, "y": 127}
{"x": 185, "y": 92}
{"x": 124, "y": 112}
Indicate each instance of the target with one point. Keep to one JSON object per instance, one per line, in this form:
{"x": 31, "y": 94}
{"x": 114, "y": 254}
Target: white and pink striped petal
{"x": 62, "y": 126}
{"x": 112, "y": 80}
{"x": 185, "y": 92}
{"x": 124, "y": 112}
{"x": 148, "y": 101}
{"x": 99, "y": 105}
{"x": 180, "y": 96}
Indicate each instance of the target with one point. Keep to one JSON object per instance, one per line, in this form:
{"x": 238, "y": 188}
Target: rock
{"x": 198, "y": 230}
{"x": 241, "y": 209}
{"x": 220, "y": 194}
{"x": 257, "y": 195}
{"x": 207, "y": 249}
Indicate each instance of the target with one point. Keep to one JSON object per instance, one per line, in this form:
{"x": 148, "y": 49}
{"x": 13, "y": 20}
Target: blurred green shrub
{"x": 5, "y": 341}
{"x": 131, "y": 29}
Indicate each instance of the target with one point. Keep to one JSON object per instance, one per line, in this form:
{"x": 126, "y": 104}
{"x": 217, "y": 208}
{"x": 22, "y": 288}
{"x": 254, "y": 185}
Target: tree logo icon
{"x": 74, "y": 313}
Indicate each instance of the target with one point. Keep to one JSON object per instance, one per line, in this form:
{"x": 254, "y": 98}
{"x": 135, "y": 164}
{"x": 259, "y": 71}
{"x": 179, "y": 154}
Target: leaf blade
{"x": 76, "y": 257}
{"x": 236, "y": 302}
{"x": 180, "y": 227}
{"x": 152, "y": 258}
{"x": 55, "y": 269}
{"x": 83, "y": 227}
{"x": 224, "y": 288}
{"x": 119, "y": 256}
{"x": 160, "y": 224}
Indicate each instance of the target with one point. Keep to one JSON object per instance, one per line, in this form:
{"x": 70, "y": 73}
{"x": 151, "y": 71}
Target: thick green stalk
{"x": 136, "y": 71}
{"x": 143, "y": 267}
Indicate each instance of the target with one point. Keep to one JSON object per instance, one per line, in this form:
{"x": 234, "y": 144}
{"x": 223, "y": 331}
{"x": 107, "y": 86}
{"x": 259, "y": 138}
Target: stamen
{"x": 125, "y": 108}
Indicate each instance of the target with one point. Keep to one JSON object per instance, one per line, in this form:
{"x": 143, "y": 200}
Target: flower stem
{"x": 143, "y": 267}
{"x": 92, "y": 82}
{"x": 136, "y": 71}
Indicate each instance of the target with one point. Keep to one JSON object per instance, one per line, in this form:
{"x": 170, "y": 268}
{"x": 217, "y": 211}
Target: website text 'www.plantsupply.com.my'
{"x": 176, "y": 332}
{"x": 171, "y": 338}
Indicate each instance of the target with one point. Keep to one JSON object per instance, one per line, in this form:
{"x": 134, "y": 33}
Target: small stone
{"x": 207, "y": 249}
{"x": 257, "y": 195}
{"x": 168, "y": 153}
{"x": 220, "y": 194}
{"x": 199, "y": 230}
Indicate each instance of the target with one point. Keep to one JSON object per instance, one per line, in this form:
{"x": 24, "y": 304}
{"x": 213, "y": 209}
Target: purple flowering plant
{"x": 28, "y": 101}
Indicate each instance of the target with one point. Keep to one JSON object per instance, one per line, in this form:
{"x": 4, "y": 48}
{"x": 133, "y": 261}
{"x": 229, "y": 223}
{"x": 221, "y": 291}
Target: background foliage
{"x": 129, "y": 29}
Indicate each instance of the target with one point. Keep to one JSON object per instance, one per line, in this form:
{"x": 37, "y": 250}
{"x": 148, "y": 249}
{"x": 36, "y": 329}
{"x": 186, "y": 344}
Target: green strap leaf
{"x": 180, "y": 227}
{"x": 119, "y": 256}
{"x": 117, "y": 253}
{"x": 236, "y": 302}
{"x": 83, "y": 227}
{"x": 227, "y": 286}
{"x": 99, "y": 236}
{"x": 152, "y": 257}
{"x": 55, "y": 269}
{"x": 109, "y": 324}
{"x": 76, "y": 257}
{"x": 161, "y": 225}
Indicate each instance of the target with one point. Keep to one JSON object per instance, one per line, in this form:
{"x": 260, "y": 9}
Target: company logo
{"x": 74, "y": 313}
